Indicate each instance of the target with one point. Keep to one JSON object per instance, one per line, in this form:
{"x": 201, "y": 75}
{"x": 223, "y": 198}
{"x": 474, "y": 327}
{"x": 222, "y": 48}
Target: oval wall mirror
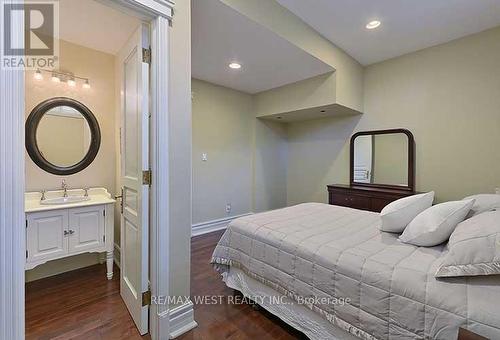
{"x": 62, "y": 136}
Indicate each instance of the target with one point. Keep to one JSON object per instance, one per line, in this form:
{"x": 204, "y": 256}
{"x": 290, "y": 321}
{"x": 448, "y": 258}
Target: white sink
{"x": 64, "y": 200}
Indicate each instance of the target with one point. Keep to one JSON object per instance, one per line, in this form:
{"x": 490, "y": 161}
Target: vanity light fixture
{"x": 59, "y": 76}
{"x": 373, "y": 24}
{"x": 235, "y": 66}
{"x": 38, "y": 75}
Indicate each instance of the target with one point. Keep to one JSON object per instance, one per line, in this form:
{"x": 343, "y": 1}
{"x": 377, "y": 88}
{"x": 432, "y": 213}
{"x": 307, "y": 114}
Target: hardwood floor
{"x": 226, "y": 321}
{"x": 82, "y": 304}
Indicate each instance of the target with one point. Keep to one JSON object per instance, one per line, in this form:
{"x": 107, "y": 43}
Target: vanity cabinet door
{"x": 46, "y": 235}
{"x": 86, "y": 228}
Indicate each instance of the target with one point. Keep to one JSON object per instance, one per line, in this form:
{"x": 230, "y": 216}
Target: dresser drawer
{"x": 373, "y": 199}
{"x": 379, "y": 203}
{"x": 352, "y": 201}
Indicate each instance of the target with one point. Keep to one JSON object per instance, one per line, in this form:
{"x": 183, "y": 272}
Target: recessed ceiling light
{"x": 373, "y": 24}
{"x": 235, "y": 66}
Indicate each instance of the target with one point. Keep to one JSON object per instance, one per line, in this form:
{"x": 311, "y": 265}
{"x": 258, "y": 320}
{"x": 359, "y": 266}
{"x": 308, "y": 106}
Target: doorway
{"x": 88, "y": 129}
{"x": 13, "y": 211}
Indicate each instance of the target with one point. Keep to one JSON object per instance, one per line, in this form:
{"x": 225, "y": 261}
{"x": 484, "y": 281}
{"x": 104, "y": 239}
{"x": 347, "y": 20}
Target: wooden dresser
{"x": 364, "y": 197}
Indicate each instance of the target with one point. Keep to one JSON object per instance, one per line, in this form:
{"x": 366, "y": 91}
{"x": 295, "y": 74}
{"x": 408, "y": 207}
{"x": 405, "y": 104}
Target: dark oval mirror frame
{"x": 32, "y": 146}
{"x": 411, "y": 160}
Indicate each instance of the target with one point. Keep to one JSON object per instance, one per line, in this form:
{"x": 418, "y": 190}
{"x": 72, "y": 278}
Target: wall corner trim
{"x": 181, "y": 319}
{"x": 214, "y": 225}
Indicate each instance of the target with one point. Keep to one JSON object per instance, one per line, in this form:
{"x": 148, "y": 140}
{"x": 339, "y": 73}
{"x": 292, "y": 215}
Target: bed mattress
{"x": 336, "y": 262}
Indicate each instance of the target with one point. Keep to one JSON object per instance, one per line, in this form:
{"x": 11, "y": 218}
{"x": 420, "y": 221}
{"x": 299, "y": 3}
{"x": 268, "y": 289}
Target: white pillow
{"x": 435, "y": 225}
{"x": 396, "y": 215}
{"x": 484, "y": 202}
{"x": 474, "y": 247}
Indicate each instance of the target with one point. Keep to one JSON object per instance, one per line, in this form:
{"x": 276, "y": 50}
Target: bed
{"x": 337, "y": 276}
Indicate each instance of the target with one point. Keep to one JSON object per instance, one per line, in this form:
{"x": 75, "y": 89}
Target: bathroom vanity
{"x": 67, "y": 223}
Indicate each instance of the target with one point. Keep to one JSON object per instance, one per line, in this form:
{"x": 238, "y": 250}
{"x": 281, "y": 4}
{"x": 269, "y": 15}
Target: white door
{"x": 134, "y": 240}
{"x": 86, "y": 228}
{"x": 363, "y": 158}
{"x": 46, "y": 234}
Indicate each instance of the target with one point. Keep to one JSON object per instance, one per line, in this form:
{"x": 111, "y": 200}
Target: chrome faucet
{"x": 65, "y": 188}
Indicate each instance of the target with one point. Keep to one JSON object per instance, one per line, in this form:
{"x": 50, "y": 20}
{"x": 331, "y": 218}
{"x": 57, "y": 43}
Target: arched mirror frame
{"x": 31, "y": 126}
{"x": 411, "y": 160}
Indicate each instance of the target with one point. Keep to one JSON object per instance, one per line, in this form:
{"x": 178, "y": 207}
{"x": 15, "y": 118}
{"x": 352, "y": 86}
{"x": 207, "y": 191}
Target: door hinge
{"x": 26, "y": 254}
{"x": 146, "y": 177}
{"x": 103, "y": 238}
{"x": 26, "y": 223}
{"x": 146, "y": 298}
{"x": 104, "y": 212}
{"x": 146, "y": 55}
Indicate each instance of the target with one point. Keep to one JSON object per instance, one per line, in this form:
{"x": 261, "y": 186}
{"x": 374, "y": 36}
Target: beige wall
{"x": 317, "y": 157}
{"x": 270, "y": 165}
{"x": 312, "y": 92}
{"x": 246, "y": 163}
{"x": 99, "y": 68}
{"x": 222, "y": 128}
{"x": 447, "y": 95}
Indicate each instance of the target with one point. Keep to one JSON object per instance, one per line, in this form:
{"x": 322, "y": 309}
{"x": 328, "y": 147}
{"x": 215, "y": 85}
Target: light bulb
{"x": 86, "y": 84}
{"x": 71, "y": 82}
{"x": 38, "y": 75}
{"x": 373, "y": 24}
{"x": 235, "y": 66}
{"x": 56, "y": 79}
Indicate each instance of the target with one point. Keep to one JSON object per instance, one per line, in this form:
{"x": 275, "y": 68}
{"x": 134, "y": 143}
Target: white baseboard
{"x": 181, "y": 319}
{"x": 210, "y": 226}
{"x": 116, "y": 255}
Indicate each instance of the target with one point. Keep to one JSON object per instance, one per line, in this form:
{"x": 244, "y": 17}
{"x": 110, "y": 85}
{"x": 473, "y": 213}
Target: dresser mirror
{"x": 383, "y": 159}
{"x": 62, "y": 136}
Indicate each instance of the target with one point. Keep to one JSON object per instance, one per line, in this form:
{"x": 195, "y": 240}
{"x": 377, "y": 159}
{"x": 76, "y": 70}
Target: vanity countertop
{"x": 97, "y": 196}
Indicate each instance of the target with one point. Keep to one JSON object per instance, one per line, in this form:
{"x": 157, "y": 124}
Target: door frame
{"x": 159, "y": 14}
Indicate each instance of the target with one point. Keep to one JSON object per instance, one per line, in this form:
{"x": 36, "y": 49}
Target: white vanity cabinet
{"x": 57, "y": 231}
{"x": 86, "y": 228}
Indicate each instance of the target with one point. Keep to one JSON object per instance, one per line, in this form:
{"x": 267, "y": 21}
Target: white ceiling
{"x": 407, "y": 25}
{"x": 221, "y": 35}
{"x": 94, "y": 25}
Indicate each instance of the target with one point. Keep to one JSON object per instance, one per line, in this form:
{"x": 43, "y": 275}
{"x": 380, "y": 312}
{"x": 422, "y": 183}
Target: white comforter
{"x": 319, "y": 250}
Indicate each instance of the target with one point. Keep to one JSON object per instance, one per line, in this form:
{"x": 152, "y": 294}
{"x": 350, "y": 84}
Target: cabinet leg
{"x": 109, "y": 264}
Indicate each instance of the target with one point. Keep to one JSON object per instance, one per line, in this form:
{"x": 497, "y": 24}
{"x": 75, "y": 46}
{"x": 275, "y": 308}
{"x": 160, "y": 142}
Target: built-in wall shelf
{"x": 323, "y": 111}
